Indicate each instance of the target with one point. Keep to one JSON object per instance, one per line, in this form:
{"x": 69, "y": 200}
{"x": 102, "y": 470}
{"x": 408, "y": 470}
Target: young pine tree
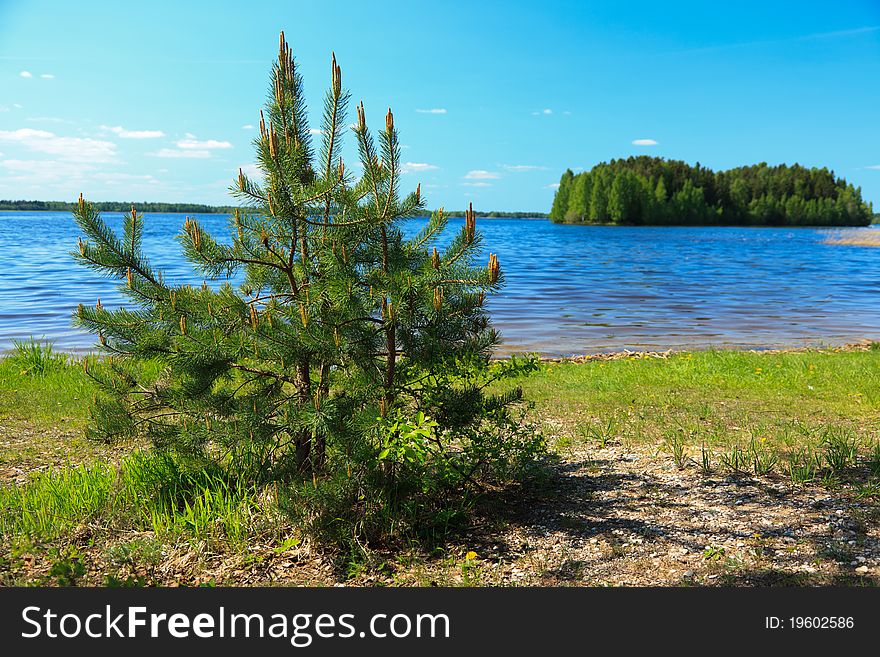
{"x": 342, "y": 331}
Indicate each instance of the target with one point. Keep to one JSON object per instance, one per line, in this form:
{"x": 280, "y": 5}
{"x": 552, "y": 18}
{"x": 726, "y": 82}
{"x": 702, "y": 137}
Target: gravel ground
{"x": 629, "y": 517}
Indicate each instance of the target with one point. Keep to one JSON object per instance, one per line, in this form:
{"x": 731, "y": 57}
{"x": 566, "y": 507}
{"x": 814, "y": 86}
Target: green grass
{"x": 717, "y": 398}
{"x": 145, "y": 492}
{"x": 42, "y": 386}
{"x": 810, "y": 417}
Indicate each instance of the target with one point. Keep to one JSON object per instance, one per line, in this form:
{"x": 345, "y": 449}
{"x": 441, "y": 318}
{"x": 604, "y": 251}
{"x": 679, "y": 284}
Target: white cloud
{"x": 543, "y": 111}
{"x": 414, "y": 167}
{"x": 179, "y": 153}
{"x": 47, "y": 119}
{"x": 476, "y": 184}
{"x": 17, "y": 106}
{"x": 247, "y": 126}
{"x": 644, "y": 142}
{"x": 115, "y": 177}
{"x": 480, "y": 174}
{"x": 250, "y": 170}
{"x": 47, "y": 76}
{"x": 133, "y": 134}
{"x": 552, "y": 186}
{"x": 519, "y": 168}
{"x": 316, "y": 131}
{"x": 71, "y": 149}
{"x": 26, "y": 74}
{"x": 191, "y": 143}
{"x": 44, "y": 169}
{"x": 434, "y": 110}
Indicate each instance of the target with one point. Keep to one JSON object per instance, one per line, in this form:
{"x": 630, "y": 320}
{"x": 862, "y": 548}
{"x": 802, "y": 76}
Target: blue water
{"x": 570, "y": 289}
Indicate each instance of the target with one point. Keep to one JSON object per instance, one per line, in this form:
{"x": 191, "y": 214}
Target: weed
{"x": 803, "y": 466}
{"x": 129, "y": 582}
{"x": 736, "y": 461}
{"x": 676, "y": 445}
{"x": 840, "y": 447}
{"x": 764, "y": 457}
{"x": 705, "y": 460}
{"x": 874, "y": 459}
{"x": 33, "y": 358}
{"x": 67, "y": 567}
{"x": 712, "y": 553}
{"x": 601, "y": 434}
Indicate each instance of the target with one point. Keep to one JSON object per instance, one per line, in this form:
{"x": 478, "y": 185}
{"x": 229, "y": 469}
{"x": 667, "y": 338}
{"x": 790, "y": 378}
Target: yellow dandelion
{"x": 470, "y": 556}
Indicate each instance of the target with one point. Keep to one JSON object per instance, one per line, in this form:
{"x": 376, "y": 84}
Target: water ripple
{"x": 570, "y": 289}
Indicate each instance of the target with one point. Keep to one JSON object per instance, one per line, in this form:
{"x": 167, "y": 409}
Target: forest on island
{"x": 655, "y": 191}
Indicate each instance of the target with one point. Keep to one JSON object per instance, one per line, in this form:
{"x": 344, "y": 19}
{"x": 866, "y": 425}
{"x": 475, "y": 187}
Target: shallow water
{"x": 570, "y": 289}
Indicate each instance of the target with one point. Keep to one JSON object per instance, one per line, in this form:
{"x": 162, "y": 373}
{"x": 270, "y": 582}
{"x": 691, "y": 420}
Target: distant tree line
{"x": 117, "y": 206}
{"x": 197, "y": 208}
{"x": 654, "y": 191}
{"x": 499, "y": 214}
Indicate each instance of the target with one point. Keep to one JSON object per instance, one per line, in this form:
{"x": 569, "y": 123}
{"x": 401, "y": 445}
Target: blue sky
{"x": 156, "y": 101}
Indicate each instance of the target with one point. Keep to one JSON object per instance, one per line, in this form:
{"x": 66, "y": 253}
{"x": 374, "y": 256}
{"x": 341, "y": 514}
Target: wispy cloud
{"x": 476, "y": 184}
{"x": 417, "y": 167}
{"x": 481, "y": 174}
{"x": 47, "y": 119}
{"x": 250, "y": 170}
{"x": 434, "y": 110}
{"x": 26, "y": 74}
{"x": 71, "y": 149}
{"x": 45, "y": 170}
{"x": 876, "y": 167}
{"x": 177, "y": 153}
{"x": 816, "y": 36}
{"x": 116, "y": 177}
{"x": 519, "y": 168}
{"x": 247, "y": 126}
{"x": 543, "y": 112}
{"x": 191, "y": 143}
{"x": 133, "y": 134}
{"x": 645, "y": 142}
{"x": 552, "y": 186}
{"x": 47, "y": 76}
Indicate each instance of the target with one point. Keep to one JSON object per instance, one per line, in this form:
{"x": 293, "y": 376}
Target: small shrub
{"x": 340, "y": 319}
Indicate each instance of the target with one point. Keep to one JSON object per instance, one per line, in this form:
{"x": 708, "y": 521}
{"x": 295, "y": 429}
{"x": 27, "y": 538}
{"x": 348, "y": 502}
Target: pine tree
{"x": 340, "y": 319}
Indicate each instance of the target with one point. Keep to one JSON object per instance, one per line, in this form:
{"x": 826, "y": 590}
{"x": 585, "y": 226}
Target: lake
{"x": 570, "y": 289}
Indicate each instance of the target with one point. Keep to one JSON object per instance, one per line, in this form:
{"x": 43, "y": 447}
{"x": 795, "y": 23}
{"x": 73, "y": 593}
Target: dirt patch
{"x": 629, "y": 517}
{"x": 614, "y": 516}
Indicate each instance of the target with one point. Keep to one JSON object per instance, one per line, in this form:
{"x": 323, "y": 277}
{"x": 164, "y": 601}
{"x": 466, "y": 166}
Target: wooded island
{"x": 655, "y": 191}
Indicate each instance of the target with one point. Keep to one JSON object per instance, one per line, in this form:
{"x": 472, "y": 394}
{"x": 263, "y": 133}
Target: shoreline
{"x": 865, "y": 344}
